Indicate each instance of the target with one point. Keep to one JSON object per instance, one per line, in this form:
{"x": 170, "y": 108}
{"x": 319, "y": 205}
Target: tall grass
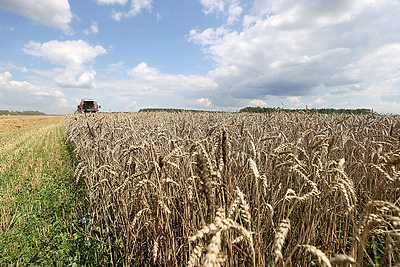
{"x": 240, "y": 189}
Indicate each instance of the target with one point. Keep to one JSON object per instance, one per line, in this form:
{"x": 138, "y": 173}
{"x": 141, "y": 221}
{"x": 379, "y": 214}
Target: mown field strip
{"x": 37, "y": 197}
{"x": 16, "y": 123}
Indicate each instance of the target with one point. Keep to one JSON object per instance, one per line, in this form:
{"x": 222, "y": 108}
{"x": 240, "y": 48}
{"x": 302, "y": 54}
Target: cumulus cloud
{"x": 94, "y": 29}
{"x": 22, "y": 94}
{"x": 147, "y": 86}
{"x": 111, "y": 2}
{"x": 51, "y": 13}
{"x": 212, "y": 6}
{"x": 73, "y": 55}
{"x": 155, "y": 80}
{"x": 294, "y": 49}
{"x": 64, "y": 103}
{"x": 258, "y": 103}
{"x": 294, "y": 99}
{"x": 9, "y": 66}
{"x": 304, "y": 13}
{"x": 231, "y": 8}
{"x": 143, "y": 70}
{"x": 77, "y": 78}
{"x": 64, "y": 53}
{"x": 204, "y": 102}
{"x": 5, "y": 77}
{"x": 136, "y": 8}
{"x": 33, "y": 94}
{"x": 382, "y": 62}
{"x": 8, "y": 84}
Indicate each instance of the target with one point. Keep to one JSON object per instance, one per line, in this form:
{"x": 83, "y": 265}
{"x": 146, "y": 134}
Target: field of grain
{"x": 13, "y": 123}
{"x": 224, "y": 189}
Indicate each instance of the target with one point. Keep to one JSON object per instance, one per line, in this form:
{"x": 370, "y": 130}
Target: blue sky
{"x": 199, "y": 54}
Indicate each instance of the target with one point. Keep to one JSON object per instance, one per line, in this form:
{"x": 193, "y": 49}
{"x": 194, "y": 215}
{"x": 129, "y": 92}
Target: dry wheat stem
{"x": 280, "y": 237}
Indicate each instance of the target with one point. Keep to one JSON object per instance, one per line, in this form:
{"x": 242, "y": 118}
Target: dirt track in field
{"x": 9, "y": 124}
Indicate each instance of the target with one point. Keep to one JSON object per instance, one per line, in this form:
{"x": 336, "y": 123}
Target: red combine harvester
{"x": 88, "y": 106}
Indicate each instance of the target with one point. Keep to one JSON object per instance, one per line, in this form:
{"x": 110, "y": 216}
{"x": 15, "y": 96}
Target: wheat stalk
{"x": 280, "y": 237}
{"x": 323, "y": 259}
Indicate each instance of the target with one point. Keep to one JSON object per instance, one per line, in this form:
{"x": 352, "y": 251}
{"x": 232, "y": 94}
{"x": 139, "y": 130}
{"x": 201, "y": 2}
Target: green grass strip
{"x": 39, "y": 222}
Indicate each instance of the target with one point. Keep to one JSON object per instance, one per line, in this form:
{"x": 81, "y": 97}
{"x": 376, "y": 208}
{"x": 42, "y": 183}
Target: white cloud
{"x": 20, "y": 86}
{"x": 380, "y": 63}
{"x": 111, "y": 2}
{"x": 78, "y": 78}
{"x": 128, "y": 103}
{"x": 209, "y": 36}
{"x": 35, "y": 94}
{"x": 117, "y": 15}
{"x": 230, "y": 7}
{"x": 234, "y": 13}
{"x": 212, "y": 6}
{"x": 5, "y": 77}
{"x": 73, "y": 55}
{"x": 22, "y": 92}
{"x": 55, "y": 93}
{"x": 294, "y": 49}
{"x": 156, "y": 80}
{"x": 204, "y": 102}
{"x": 51, "y": 13}
{"x": 8, "y": 84}
{"x": 143, "y": 70}
{"x": 94, "y": 28}
{"x": 342, "y": 91}
{"x": 64, "y": 53}
{"x": 9, "y": 66}
{"x": 136, "y": 8}
{"x": 149, "y": 87}
{"x": 258, "y": 103}
{"x": 64, "y": 103}
{"x": 305, "y": 13}
{"x": 294, "y": 99}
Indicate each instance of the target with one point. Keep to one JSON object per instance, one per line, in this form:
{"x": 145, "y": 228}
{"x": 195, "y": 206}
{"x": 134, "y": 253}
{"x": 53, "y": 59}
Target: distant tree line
{"x": 312, "y": 110}
{"x": 172, "y": 110}
{"x": 28, "y": 112}
{"x": 269, "y": 110}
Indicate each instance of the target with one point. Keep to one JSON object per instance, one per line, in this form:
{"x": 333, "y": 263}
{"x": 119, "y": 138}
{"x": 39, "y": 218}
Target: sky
{"x": 199, "y": 54}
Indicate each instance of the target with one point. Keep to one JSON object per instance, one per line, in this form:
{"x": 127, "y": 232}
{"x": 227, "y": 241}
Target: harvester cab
{"x": 88, "y": 106}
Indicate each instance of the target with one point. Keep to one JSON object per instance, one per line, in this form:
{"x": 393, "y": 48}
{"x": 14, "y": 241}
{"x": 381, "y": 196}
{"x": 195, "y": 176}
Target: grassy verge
{"x": 38, "y": 199}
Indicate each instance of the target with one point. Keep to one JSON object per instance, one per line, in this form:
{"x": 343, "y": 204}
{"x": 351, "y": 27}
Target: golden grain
{"x": 212, "y": 188}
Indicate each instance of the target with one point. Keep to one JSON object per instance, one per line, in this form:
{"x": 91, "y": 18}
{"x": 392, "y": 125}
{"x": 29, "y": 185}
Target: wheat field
{"x": 237, "y": 189}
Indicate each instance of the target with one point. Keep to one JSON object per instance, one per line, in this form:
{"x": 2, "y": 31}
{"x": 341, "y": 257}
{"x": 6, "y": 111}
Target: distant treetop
{"x": 312, "y": 110}
{"x": 28, "y": 112}
{"x": 172, "y": 110}
{"x": 270, "y": 110}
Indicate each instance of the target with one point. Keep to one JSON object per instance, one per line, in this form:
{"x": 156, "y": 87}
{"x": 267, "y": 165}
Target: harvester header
{"x": 88, "y": 106}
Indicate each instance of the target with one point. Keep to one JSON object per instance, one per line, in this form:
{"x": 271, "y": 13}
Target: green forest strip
{"x": 269, "y": 110}
{"x": 27, "y": 112}
{"x": 306, "y": 110}
{"x": 39, "y": 200}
